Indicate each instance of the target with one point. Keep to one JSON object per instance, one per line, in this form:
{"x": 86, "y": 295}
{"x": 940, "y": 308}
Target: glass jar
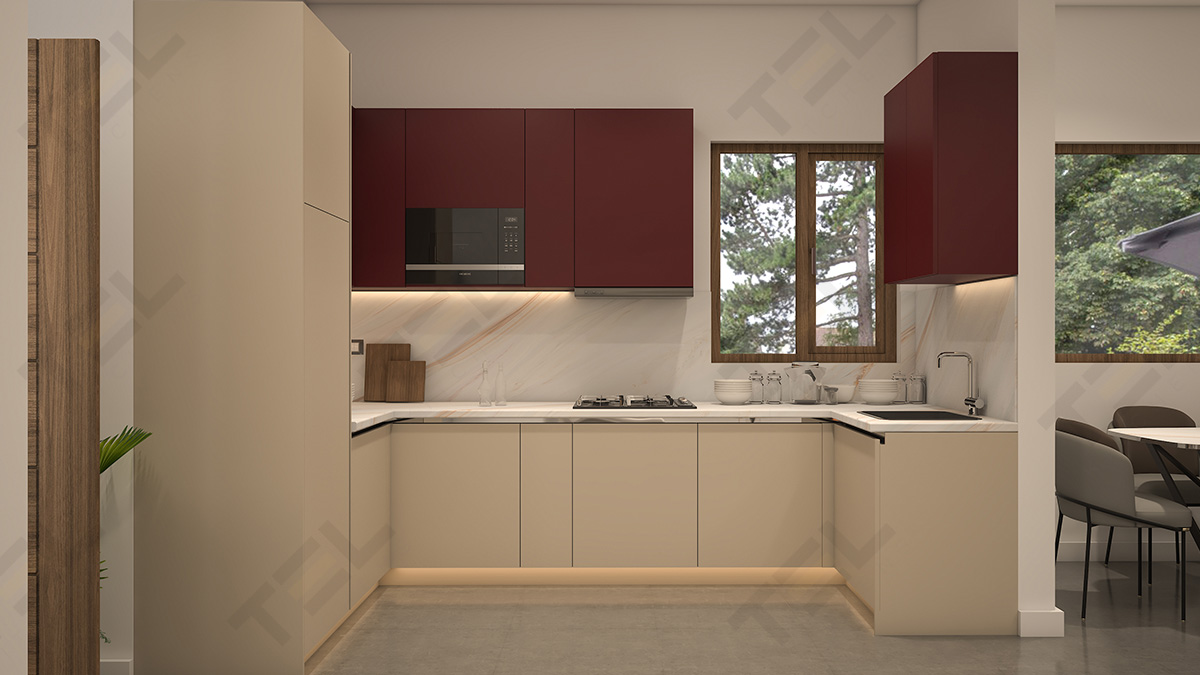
{"x": 916, "y": 389}
{"x": 773, "y": 389}
{"x": 756, "y": 387}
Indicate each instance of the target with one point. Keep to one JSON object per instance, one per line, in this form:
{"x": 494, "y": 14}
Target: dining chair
{"x": 1146, "y": 476}
{"x": 1098, "y": 435}
{"x": 1094, "y": 485}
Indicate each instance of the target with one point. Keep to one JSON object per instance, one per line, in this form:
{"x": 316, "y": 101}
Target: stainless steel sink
{"x": 917, "y": 415}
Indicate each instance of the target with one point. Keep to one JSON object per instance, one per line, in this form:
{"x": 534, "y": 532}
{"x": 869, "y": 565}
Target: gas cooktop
{"x": 626, "y": 401}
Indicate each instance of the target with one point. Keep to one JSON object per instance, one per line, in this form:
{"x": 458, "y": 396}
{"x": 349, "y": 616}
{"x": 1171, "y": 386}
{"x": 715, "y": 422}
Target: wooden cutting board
{"x": 378, "y": 357}
{"x": 405, "y": 381}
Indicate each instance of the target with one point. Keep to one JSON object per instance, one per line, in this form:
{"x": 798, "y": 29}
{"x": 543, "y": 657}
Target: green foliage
{"x": 1108, "y": 301}
{"x": 845, "y": 246}
{"x": 115, "y": 447}
{"x": 758, "y": 245}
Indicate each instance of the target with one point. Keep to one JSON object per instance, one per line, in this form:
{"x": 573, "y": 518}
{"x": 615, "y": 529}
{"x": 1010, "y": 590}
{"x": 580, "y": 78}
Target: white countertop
{"x": 365, "y": 415}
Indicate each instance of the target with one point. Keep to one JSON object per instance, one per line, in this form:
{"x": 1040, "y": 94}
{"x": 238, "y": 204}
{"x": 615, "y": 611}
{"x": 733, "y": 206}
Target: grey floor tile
{"x": 798, "y": 630}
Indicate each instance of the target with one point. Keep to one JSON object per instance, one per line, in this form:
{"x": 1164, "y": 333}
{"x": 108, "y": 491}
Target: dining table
{"x": 1158, "y": 438}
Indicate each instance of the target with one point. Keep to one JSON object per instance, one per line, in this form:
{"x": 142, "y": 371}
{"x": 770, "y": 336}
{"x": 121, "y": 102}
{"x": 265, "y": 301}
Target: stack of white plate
{"x": 732, "y": 392}
{"x": 877, "y": 392}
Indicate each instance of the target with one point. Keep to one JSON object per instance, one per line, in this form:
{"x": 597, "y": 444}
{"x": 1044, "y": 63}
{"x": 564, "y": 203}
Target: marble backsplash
{"x": 554, "y": 346}
{"x": 980, "y": 319}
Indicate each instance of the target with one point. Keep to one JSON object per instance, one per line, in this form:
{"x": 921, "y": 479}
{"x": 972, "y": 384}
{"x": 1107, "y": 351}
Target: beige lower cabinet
{"x": 456, "y": 495}
{"x": 546, "y": 495}
{"x": 948, "y": 534}
{"x": 760, "y": 495}
{"x": 856, "y": 511}
{"x": 370, "y": 510}
{"x": 925, "y": 530}
{"x": 635, "y": 495}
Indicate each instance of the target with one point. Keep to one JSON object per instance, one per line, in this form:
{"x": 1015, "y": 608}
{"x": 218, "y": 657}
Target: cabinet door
{"x": 635, "y": 495}
{"x": 633, "y": 198}
{"x": 326, "y": 572}
{"x": 977, "y": 154}
{"x": 895, "y": 195}
{"x": 378, "y": 198}
{"x": 545, "y": 495}
{"x": 856, "y": 512}
{"x": 456, "y": 495}
{"x": 921, "y": 169}
{"x": 326, "y": 119}
{"x": 549, "y": 198}
{"x": 760, "y": 495}
{"x": 470, "y": 158}
{"x": 370, "y": 510}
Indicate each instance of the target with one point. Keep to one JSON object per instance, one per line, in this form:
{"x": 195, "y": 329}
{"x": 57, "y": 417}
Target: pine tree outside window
{"x": 796, "y": 270}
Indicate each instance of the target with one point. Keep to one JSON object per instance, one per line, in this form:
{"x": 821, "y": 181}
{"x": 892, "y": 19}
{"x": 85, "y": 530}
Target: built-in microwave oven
{"x": 476, "y": 247}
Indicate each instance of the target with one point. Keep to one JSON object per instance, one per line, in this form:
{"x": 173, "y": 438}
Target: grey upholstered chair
{"x": 1084, "y": 430}
{"x": 1146, "y": 477}
{"x": 1094, "y": 485}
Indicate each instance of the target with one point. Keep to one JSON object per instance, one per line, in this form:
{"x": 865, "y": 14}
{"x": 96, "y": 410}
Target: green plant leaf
{"x": 115, "y": 447}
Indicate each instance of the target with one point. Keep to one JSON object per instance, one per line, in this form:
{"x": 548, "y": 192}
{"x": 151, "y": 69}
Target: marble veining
{"x": 555, "y": 347}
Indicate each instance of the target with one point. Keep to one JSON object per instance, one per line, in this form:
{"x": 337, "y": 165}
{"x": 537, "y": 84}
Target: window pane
{"x": 758, "y": 253}
{"x": 1108, "y": 301}
{"x": 845, "y": 253}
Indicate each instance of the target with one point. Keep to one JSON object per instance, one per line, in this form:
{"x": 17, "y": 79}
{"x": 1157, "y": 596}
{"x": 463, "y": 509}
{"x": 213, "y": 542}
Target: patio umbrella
{"x": 1175, "y": 244}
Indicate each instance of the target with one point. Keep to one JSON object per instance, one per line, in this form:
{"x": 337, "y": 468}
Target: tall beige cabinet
{"x": 241, "y": 245}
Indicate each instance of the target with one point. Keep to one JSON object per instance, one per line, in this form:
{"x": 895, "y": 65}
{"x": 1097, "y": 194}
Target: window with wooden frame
{"x": 1114, "y": 301}
{"x": 796, "y": 271}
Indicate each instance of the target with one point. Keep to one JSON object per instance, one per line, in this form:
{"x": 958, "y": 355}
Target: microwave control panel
{"x": 512, "y": 237}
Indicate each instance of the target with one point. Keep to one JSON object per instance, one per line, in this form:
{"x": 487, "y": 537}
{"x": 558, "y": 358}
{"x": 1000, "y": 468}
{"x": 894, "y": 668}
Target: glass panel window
{"x": 1112, "y": 305}
{"x": 845, "y": 252}
{"x": 758, "y": 253}
{"x": 795, "y": 228}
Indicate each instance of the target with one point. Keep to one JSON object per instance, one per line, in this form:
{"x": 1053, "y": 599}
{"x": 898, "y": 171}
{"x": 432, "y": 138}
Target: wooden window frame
{"x": 884, "y": 351}
{"x": 1126, "y": 149}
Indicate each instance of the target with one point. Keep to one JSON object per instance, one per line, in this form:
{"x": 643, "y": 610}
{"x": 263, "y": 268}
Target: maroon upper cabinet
{"x": 633, "y": 198}
{"x": 549, "y": 198}
{"x": 472, "y": 158}
{"x": 950, "y": 170}
{"x": 377, "y": 198}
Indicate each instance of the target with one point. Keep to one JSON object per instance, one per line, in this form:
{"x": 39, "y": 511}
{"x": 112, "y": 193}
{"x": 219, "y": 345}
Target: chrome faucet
{"x": 972, "y": 401}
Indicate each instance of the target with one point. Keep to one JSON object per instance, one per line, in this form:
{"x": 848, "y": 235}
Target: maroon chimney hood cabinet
{"x": 606, "y": 193}
{"x": 950, "y": 170}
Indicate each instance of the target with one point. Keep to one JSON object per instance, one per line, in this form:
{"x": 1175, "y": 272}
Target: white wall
{"x": 554, "y": 346}
{"x": 111, "y": 22}
{"x": 1027, "y": 27}
{"x": 965, "y": 25}
{"x": 1124, "y": 74}
{"x": 13, "y": 338}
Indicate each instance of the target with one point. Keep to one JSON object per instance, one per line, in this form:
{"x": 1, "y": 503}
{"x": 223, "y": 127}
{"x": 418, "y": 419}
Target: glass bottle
{"x": 901, "y": 387}
{"x": 773, "y": 389}
{"x": 485, "y": 389}
{"x": 756, "y": 387}
{"x": 916, "y": 389}
{"x": 501, "y": 395}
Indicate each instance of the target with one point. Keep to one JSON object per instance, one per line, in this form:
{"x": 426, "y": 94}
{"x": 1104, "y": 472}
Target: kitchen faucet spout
{"x": 972, "y": 401}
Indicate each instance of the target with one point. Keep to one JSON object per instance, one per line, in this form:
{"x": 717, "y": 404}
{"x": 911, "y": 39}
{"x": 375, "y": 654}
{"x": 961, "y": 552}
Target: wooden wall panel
{"x": 33, "y": 88}
{"x": 68, "y": 501}
{"x": 33, "y": 617}
{"x": 33, "y": 200}
{"x": 32, "y": 374}
{"x": 33, "y": 316}
{"x": 33, "y": 518}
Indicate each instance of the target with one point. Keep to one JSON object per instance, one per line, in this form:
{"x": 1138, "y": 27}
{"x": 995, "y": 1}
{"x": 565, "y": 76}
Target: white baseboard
{"x": 1123, "y": 551}
{"x": 1040, "y": 623}
{"x": 116, "y": 666}
{"x": 607, "y": 576}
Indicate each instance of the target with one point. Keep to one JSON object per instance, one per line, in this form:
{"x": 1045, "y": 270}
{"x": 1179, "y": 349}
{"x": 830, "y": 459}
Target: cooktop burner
{"x": 632, "y": 401}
